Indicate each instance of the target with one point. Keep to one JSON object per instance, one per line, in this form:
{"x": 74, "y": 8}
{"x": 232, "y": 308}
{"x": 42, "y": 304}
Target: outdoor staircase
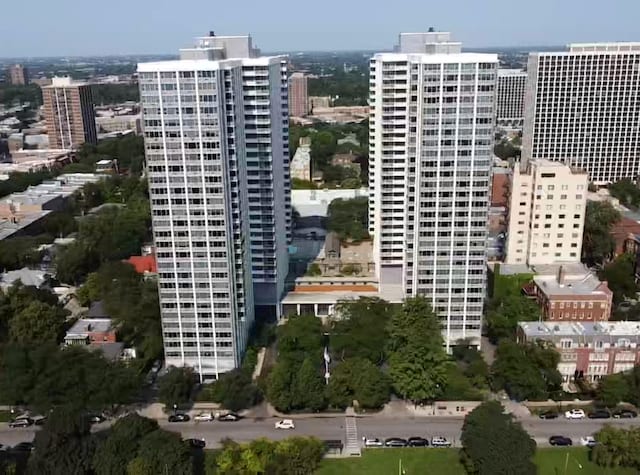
{"x": 353, "y": 447}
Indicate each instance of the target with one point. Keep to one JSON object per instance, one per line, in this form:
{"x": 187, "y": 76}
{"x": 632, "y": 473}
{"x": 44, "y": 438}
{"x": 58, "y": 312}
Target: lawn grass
{"x": 446, "y": 462}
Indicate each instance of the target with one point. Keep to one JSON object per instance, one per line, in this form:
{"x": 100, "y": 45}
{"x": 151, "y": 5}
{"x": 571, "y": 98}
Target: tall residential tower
{"x": 69, "y": 113}
{"x": 510, "y": 96}
{"x": 582, "y": 109}
{"x": 216, "y": 142}
{"x": 298, "y": 96}
{"x": 431, "y": 138}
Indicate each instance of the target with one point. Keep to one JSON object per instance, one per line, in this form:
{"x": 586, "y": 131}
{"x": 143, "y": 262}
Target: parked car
{"x": 625, "y": 414}
{"x": 439, "y": 441}
{"x": 574, "y": 414}
{"x": 560, "y": 440}
{"x": 23, "y": 447}
{"x": 548, "y": 415}
{"x": 204, "y": 417}
{"x": 395, "y": 442}
{"x": 229, "y": 417}
{"x": 374, "y": 442}
{"x": 179, "y": 417}
{"x": 39, "y": 420}
{"x": 417, "y": 442}
{"x": 22, "y": 422}
{"x": 285, "y": 424}
{"x": 196, "y": 443}
{"x": 600, "y": 414}
{"x": 588, "y": 441}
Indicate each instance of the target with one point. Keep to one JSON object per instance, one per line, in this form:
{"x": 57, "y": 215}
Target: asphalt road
{"x": 334, "y": 428}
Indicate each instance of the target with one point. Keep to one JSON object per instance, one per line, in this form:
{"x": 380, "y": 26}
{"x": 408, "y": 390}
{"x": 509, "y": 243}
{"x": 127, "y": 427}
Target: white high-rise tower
{"x": 431, "y": 139}
{"x": 216, "y": 144}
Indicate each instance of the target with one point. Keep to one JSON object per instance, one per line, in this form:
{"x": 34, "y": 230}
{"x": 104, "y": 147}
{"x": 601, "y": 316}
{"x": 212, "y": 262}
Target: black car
{"x": 395, "y": 442}
{"x": 417, "y": 442}
{"x": 599, "y": 414}
{"x": 548, "y": 415}
{"x": 625, "y": 414}
{"x": 560, "y": 440}
{"x": 229, "y": 417}
{"x": 23, "y": 447}
{"x": 196, "y": 443}
{"x": 178, "y": 417}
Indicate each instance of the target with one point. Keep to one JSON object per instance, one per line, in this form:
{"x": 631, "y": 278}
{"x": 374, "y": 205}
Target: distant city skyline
{"x": 146, "y": 27}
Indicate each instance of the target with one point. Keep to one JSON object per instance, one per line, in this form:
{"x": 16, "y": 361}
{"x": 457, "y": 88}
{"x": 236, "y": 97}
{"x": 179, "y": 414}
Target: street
{"x": 334, "y": 428}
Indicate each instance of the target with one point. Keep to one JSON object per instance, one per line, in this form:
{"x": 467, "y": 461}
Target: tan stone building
{"x": 18, "y": 75}
{"x": 69, "y": 114}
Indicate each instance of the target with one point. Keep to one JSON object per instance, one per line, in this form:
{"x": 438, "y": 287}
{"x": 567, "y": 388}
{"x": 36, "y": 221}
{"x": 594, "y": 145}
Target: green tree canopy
{"x": 360, "y": 380}
{"x": 175, "y": 386}
{"x": 598, "y": 243}
{"x": 362, "y": 329}
{"x": 626, "y": 191}
{"x": 349, "y": 218}
{"x": 417, "y": 360}
{"x": 620, "y": 276}
{"x": 234, "y": 390}
{"x": 64, "y": 445}
{"x": 504, "y": 314}
{"x": 38, "y": 323}
{"x": 493, "y": 443}
{"x": 165, "y": 452}
{"x": 526, "y": 371}
{"x": 617, "y": 447}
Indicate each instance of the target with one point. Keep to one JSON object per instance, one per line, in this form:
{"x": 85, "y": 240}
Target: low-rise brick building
{"x": 578, "y": 297}
{"x": 588, "y": 351}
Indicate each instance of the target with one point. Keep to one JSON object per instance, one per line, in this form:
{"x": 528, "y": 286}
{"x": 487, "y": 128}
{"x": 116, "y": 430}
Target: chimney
{"x": 561, "y": 274}
{"x": 212, "y": 33}
{"x": 89, "y": 327}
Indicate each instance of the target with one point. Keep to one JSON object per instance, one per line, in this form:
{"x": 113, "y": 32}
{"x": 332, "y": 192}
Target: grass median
{"x": 556, "y": 461}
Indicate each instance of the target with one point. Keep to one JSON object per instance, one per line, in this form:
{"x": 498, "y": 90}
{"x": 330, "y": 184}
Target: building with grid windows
{"x": 69, "y": 113}
{"x": 216, "y": 143}
{"x": 582, "y": 108}
{"x": 510, "y": 97}
{"x": 298, "y": 96}
{"x": 546, "y": 213}
{"x": 431, "y": 138}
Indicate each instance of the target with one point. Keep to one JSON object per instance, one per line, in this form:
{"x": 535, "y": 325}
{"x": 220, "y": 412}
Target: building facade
{"x": 18, "y": 75}
{"x": 579, "y": 298}
{"x": 431, "y": 138}
{"x": 587, "y": 350}
{"x": 69, "y": 114}
{"x": 581, "y": 108}
{"x": 510, "y": 97}
{"x": 216, "y": 143}
{"x": 298, "y": 95}
{"x": 546, "y": 213}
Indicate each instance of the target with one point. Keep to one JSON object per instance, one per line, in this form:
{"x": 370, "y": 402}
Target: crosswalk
{"x": 352, "y": 446}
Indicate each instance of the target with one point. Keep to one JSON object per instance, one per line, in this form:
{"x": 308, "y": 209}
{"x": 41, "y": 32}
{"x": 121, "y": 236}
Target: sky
{"x": 81, "y": 27}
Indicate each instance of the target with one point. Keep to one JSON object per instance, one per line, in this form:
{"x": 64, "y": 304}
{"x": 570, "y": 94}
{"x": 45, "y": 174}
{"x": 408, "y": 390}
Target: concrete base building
{"x": 216, "y": 142}
{"x": 431, "y": 138}
{"x": 546, "y": 213}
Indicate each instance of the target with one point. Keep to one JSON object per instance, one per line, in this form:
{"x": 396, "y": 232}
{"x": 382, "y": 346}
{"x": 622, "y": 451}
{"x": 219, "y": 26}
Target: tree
{"x": 493, "y": 443}
{"x": 417, "y": 360}
{"x": 612, "y": 390}
{"x": 297, "y": 455}
{"x": 46, "y": 376}
{"x": 626, "y": 191}
{"x": 472, "y": 365}
{"x": 617, "y": 447}
{"x": 19, "y": 252}
{"x": 300, "y": 337}
{"x": 505, "y": 313}
{"x": 349, "y": 218}
{"x": 165, "y": 452}
{"x": 74, "y": 262}
{"x": 360, "y": 380}
{"x": 310, "y": 386}
{"x": 234, "y": 390}
{"x": 526, "y": 371}
{"x": 174, "y": 388}
{"x": 361, "y": 331}
{"x": 37, "y": 323}
{"x": 64, "y": 445}
{"x": 620, "y": 276}
{"x": 598, "y": 243}
{"x": 120, "y": 447}
{"x": 280, "y": 386}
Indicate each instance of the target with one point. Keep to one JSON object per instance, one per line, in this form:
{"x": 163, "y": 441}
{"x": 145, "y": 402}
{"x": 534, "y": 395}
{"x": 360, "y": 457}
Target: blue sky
{"x": 81, "y": 27}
